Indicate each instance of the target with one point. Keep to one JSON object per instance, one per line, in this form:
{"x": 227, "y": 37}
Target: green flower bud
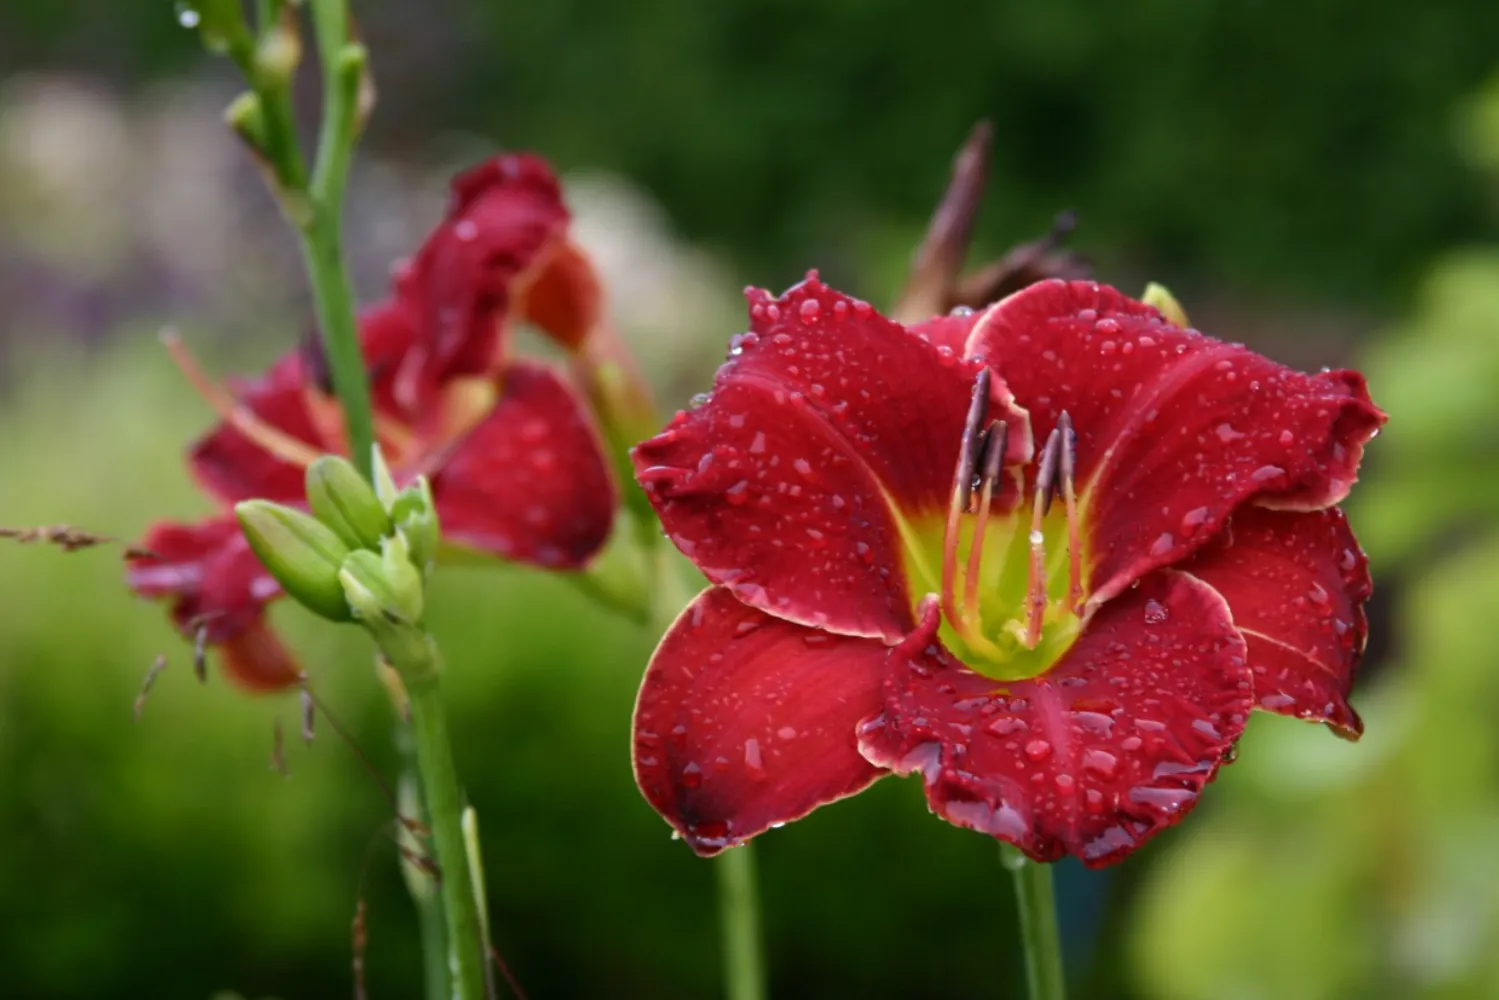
{"x": 415, "y": 517}
{"x": 383, "y": 590}
{"x": 302, "y": 553}
{"x": 1160, "y": 297}
{"x": 342, "y": 500}
{"x": 246, "y": 118}
{"x": 280, "y": 50}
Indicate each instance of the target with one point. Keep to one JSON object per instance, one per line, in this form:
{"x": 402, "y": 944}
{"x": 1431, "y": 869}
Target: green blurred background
{"x": 1317, "y": 179}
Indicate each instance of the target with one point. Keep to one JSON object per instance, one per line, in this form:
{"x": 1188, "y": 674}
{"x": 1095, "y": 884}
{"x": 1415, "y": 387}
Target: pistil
{"x": 1068, "y": 445}
{"x": 1035, "y": 591}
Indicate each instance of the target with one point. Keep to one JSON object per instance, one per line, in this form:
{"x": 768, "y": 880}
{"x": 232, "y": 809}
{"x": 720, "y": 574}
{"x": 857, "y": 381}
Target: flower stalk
{"x": 1036, "y": 900}
{"x": 739, "y": 924}
{"x": 384, "y": 592}
{"x": 738, "y": 884}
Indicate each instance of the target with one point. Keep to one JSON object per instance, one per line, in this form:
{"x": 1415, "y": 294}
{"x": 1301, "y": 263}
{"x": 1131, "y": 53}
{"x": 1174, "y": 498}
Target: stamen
{"x": 1035, "y": 596}
{"x": 994, "y": 454}
{"x": 962, "y": 493}
{"x": 1069, "y": 495}
{"x": 971, "y": 449}
{"x": 231, "y": 411}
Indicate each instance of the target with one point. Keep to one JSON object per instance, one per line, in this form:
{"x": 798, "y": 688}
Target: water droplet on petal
{"x": 752, "y": 760}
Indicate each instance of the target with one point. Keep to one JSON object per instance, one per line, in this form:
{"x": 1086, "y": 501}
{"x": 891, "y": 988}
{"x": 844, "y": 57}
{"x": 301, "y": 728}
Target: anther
{"x": 995, "y": 440}
{"x": 962, "y": 488}
{"x": 1067, "y": 472}
{"x": 971, "y": 446}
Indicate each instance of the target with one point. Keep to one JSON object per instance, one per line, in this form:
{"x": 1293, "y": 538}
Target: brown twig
{"x": 71, "y": 539}
{"x": 157, "y": 666}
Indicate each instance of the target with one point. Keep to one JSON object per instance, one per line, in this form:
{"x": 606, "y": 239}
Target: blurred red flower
{"x": 515, "y": 460}
{"x": 1065, "y": 635}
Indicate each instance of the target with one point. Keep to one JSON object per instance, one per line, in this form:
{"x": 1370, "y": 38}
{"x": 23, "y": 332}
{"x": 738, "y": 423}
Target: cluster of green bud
{"x": 364, "y": 552}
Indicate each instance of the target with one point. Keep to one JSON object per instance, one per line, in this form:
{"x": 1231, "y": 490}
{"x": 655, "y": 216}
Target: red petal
{"x": 505, "y": 217}
{"x": 1296, "y": 582}
{"x": 745, "y": 721}
{"x": 231, "y": 467}
{"x": 530, "y": 481}
{"x": 209, "y": 572}
{"x": 781, "y": 486}
{"x": 402, "y": 383}
{"x": 256, "y": 660}
{"x": 950, "y": 331}
{"x": 1174, "y": 429}
{"x": 1109, "y": 747}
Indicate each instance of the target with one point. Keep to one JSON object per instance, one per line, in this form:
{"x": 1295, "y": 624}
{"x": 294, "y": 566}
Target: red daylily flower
{"x": 1051, "y": 568}
{"x": 515, "y": 461}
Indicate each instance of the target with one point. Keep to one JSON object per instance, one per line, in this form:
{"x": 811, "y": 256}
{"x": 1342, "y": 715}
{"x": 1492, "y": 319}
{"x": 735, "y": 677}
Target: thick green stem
{"x": 739, "y": 924}
{"x": 333, "y": 301}
{"x": 1038, "y": 924}
{"x": 436, "y": 976}
{"x": 440, "y": 791}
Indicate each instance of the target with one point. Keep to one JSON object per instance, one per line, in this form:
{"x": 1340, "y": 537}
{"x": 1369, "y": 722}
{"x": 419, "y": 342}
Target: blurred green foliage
{"x": 1274, "y": 147}
{"x": 1331, "y": 870}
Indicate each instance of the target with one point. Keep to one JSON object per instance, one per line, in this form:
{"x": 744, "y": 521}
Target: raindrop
{"x": 1155, "y": 612}
{"x": 692, "y": 776}
{"x": 1101, "y": 763}
{"x": 1162, "y": 545}
{"x": 188, "y": 16}
{"x": 809, "y": 310}
{"x": 786, "y": 733}
{"x": 1038, "y": 750}
{"x": 752, "y": 760}
{"x": 1004, "y": 725}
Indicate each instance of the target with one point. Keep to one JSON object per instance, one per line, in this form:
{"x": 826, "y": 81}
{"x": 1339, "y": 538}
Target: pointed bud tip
{"x": 300, "y": 552}
{"x": 346, "y": 503}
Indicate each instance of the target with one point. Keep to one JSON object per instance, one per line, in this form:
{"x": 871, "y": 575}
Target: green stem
{"x": 738, "y": 887}
{"x": 444, "y": 814}
{"x": 322, "y": 238}
{"x": 436, "y": 975}
{"x": 333, "y": 301}
{"x": 1037, "y": 903}
{"x": 739, "y": 923}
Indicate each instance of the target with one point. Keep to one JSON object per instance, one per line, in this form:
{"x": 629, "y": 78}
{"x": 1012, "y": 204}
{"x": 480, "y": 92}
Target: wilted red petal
{"x": 529, "y": 482}
{"x": 745, "y": 721}
{"x": 1174, "y": 429}
{"x": 401, "y": 381}
{"x": 827, "y": 423}
{"x": 256, "y": 660}
{"x": 209, "y": 573}
{"x": 1296, "y": 583}
{"x": 1092, "y": 758}
{"x": 505, "y": 218}
{"x": 231, "y": 467}
{"x": 564, "y": 298}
